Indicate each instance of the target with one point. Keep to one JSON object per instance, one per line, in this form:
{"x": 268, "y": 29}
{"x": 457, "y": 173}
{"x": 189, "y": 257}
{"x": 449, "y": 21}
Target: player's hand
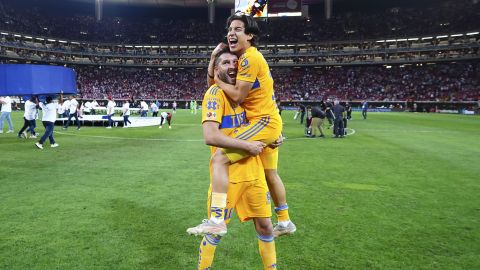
{"x": 255, "y": 147}
{"x": 221, "y": 46}
{"x": 277, "y": 143}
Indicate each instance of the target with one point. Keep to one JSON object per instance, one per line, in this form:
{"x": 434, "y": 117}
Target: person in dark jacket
{"x": 339, "y": 113}
{"x": 318, "y": 116}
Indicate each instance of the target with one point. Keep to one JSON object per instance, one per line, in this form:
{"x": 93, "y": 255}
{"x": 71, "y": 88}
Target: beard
{"x": 225, "y": 78}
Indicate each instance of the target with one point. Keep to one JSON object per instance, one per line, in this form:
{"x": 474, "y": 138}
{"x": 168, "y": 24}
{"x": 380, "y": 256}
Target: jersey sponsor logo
{"x": 233, "y": 121}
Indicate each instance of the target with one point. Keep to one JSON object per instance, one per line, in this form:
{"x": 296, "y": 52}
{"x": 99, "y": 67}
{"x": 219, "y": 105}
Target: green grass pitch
{"x": 402, "y": 192}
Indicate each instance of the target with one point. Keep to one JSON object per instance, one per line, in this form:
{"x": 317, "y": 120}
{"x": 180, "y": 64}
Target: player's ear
{"x": 250, "y": 37}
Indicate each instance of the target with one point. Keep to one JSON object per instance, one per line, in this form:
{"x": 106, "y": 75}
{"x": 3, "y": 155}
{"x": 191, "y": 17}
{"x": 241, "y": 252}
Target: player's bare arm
{"x": 237, "y": 92}
{"x": 214, "y": 137}
{"x": 211, "y": 65}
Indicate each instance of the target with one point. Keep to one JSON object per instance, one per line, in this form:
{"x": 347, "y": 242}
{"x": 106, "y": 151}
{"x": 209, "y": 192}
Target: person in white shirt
{"x": 87, "y": 107}
{"x": 174, "y": 106}
{"x": 93, "y": 106}
{"x": 143, "y": 109}
{"x": 110, "y": 111}
{"x": 73, "y": 106}
{"x": 6, "y": 103}
{"x": 165, "y": 117}
{"x": 48, "y": 119}
{"x": 126, "y": 113}
{"x": 29, "y": 118}
{"x": 61, "y": 110}
{"x": 154, "y": 108}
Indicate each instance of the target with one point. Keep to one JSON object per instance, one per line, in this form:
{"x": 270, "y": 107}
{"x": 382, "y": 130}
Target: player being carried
{"x": 247, "y": 190}
{"x": 254, "y": 91}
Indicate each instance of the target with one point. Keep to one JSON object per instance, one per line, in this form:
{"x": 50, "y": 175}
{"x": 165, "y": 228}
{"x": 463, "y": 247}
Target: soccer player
{"x": 247, "y": 191}
{"x": 253, "y": 89}
{"x": 165, "y": 116}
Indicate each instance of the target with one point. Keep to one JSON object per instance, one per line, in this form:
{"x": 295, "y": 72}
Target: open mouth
{"x": 232, "y": 73}
{"x": 232, "y": 42}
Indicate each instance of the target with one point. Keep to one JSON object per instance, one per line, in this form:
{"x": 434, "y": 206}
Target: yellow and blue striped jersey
{"x": 217, "y": 107}
{"x": 260, "y": 101}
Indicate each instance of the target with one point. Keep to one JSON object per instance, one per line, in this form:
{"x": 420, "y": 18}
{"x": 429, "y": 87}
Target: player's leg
{"x": 255, "y": 204}
{"x": 278, "y": 193}
{"x": 209, "y": 241}
{"x": 222, "y": 158}
{"x": 220, "y": 163}
{"x": 266, "y": 242}
{"x": 206, "y": 252}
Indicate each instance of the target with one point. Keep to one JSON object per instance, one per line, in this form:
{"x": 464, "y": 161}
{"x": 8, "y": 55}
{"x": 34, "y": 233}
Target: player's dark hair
{"x": 251, "y": 26}
{"x": 48, "y": 99}
{"x": 217, "y": 57}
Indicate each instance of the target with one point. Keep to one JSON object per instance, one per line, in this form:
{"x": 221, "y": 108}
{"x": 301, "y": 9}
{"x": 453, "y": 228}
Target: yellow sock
{"x": 282, "y": 213}
{"x": 218, "y": 205}
{"x": 207, "y": 251}
{"x": 266, "y": 247}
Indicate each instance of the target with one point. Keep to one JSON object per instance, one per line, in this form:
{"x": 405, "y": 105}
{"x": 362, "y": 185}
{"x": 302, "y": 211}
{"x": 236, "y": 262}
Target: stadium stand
{"x": 414, "y": 54}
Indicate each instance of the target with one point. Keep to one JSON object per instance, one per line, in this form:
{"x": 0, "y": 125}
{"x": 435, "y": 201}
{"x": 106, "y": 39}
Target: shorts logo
{"x": 268, "y": 197}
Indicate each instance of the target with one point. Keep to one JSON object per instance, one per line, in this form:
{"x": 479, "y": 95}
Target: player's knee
{"x": 263, "y": 226}
{"x": 219, "y": 157}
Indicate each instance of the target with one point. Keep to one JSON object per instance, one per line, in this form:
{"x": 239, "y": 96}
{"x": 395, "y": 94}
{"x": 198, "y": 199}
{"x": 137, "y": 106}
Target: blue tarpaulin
{"x": 19, "y": 80}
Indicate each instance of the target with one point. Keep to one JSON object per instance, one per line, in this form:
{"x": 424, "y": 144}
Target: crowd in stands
{"x": 447, "y": 16}
{"x": 124, "y": 83}
{"x": 438, "y": 82}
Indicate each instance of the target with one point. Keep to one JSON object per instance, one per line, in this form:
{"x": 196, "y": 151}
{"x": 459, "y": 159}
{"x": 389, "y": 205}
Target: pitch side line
{"x": 352, "y": 131}
{"x": 126, "y": 138}
{"x": 163, "y": 139}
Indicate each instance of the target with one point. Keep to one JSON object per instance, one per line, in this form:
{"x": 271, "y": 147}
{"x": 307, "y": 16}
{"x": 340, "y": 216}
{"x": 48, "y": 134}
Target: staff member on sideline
{"x": 338, "y": 113}
{"x": 317, "y": 121}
